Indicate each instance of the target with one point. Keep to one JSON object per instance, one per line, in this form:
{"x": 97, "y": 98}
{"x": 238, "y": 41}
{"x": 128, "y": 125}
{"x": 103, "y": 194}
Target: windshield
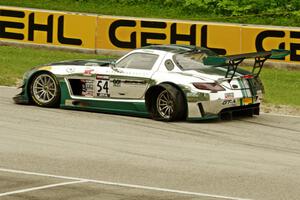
{"x": 192, "y": 60}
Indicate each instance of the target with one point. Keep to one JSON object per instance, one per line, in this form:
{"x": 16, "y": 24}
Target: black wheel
{"x": 45, "y": 90}
{"x": 169, "y": 105}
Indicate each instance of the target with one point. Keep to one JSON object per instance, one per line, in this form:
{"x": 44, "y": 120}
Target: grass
{"x": 14, "y": 61}
{"x": 153, "y": 10}
{"x": 282, "y": 86}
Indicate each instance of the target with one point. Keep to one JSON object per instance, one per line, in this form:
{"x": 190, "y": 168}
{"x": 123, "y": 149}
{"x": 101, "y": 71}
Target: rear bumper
{"x": 221, "y": 108}
{"x": 247, "y": 110}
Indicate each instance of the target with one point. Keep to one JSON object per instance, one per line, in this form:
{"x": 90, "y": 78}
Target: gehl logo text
{"x": 33, "y": 27}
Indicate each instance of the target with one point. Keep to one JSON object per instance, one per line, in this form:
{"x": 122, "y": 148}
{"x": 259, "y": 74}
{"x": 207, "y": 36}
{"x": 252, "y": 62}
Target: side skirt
{"x": 114, "y": 107}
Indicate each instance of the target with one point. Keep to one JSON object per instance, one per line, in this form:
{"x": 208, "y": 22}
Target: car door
{"x": 131, "y": 75}
{"x": 89, "y": 80}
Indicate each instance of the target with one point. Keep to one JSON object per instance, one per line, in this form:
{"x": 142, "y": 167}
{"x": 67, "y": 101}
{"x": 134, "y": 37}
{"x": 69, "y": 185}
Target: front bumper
{"x": 22, "y": 97}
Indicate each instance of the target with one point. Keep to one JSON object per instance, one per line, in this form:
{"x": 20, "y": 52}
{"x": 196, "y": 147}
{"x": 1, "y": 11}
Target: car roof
{"x": 176, "y": 48}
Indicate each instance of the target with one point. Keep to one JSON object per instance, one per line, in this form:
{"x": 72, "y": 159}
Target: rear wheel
{"x": 169, "y": 105}
{"x": 165, "y": 105}
{"x": 45, "y": 90}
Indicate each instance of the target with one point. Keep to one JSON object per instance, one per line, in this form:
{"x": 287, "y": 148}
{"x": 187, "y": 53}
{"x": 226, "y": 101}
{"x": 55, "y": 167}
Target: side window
{"x": 169, "y": 65}
{"x": 143, "y": 61}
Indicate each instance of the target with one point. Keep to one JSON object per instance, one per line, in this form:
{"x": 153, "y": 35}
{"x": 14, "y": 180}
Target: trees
{"x": 225, "y": 7}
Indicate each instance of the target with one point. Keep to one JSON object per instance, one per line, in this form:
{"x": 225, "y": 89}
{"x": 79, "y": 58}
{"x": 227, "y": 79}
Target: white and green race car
{"x": 165, "y": 82}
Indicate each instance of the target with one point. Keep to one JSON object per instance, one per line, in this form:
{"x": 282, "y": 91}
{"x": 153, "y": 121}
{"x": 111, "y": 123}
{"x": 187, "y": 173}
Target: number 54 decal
{"x": 102, "y": 87}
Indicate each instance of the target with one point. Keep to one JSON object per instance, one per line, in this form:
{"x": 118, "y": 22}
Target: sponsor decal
{"x": 87, "y": 87}
{"x": 229, "y": 95}
{"x": 88, "y": 72}
{"x": 116, "y": 83}
{"x": 229, "y": 102}
{"x": 134, "y": 82}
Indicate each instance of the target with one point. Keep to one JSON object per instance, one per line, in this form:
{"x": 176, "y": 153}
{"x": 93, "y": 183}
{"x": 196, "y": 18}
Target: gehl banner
{"x": 94, "y": 32}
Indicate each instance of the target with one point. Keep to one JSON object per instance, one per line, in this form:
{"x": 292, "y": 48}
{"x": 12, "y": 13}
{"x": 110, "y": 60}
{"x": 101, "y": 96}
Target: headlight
{"x": 213, "y": 87}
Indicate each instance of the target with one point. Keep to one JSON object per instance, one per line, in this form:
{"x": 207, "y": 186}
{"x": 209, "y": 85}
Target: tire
{"x": 45, "y": 90}
{"x": 169, "y": 105}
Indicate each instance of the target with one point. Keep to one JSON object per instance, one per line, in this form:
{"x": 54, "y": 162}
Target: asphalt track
{"x": 64, "y": 154}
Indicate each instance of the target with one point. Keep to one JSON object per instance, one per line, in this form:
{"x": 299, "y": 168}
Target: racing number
{"x": 103, "y": 88}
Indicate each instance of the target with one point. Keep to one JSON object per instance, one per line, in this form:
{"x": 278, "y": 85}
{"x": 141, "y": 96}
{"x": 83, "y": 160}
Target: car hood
{"x": 82, "y": 62}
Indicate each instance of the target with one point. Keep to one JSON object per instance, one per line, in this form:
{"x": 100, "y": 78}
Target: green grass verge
{"x": 154, "y": 9}
{"x": 14, "y": 61}
{"x": 282, "y": 86}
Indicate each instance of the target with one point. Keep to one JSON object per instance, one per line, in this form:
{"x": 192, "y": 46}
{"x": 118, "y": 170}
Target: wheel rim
{"x": 165, "y": 104}
{"x": 44, "y": 88}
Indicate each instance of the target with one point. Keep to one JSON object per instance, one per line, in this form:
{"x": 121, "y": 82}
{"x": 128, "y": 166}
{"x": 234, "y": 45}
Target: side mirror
{"x": 113, "y": 66}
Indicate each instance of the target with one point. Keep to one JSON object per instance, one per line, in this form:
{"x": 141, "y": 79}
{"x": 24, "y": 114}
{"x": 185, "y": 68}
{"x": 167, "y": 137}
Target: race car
{"x": 164, "y": 82}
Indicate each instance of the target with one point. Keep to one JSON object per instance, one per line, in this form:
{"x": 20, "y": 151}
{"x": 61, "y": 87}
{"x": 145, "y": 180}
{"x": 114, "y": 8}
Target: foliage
{"x": 271, "y": 12}
{"x": 222, "y": 7}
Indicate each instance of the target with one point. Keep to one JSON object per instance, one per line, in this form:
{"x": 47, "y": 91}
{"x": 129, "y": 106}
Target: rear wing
{"x": 232, "y": 61}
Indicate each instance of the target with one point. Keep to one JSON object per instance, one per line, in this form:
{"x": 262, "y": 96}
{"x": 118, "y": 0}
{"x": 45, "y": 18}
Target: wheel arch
{"x": 154, "y": 90}
{"x": 31, "y": 78}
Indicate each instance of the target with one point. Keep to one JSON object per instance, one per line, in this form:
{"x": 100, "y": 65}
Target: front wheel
{"x": 45, "y": 90}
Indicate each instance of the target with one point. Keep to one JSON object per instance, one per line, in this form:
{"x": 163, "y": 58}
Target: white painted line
{"x": 125, "y": 185}
{"x": 12, "y": 87}
{"x": 39, "y": 174}
{"x": 40, "y": 188}
{"x": 280, "y": 115}
{"x": 167, "y": 190}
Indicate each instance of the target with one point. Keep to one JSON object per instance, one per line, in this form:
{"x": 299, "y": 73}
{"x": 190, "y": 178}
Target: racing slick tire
{"x": 169, "y": 105}
{"x": 45, "y": 90}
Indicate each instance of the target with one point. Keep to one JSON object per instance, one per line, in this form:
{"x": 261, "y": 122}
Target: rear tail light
{"x": 248, "y": 76}
{"x": 213, "y": 87}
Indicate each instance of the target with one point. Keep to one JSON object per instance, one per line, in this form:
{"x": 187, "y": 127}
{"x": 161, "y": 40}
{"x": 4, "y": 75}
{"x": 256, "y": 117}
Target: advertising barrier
{"x": 97, "y": 32}
{"x": 47, "y": 28}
